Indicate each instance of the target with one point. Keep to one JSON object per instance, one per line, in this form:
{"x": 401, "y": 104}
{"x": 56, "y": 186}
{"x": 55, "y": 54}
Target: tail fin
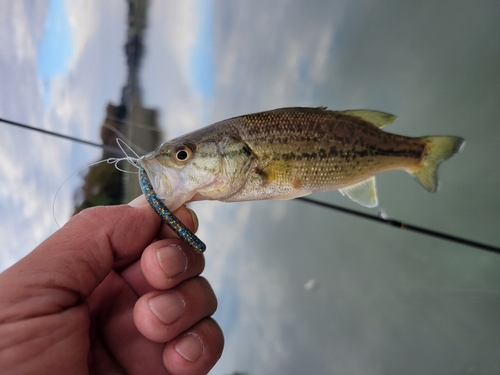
{"x": 437, "y": 149}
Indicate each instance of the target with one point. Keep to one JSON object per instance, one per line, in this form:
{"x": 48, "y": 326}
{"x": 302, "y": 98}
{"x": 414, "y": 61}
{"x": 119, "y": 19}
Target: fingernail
{"x": 190, "y": 347}
{"x": 195, "y": 219}
{"x": 167, "y": 307}
{"x": 172, "y": 259}
{"x": 139, "y": 201}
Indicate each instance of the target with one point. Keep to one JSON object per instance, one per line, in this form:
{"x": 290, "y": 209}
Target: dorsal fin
{"x": 363, "y": 192}
{"x": 377, "y": 118}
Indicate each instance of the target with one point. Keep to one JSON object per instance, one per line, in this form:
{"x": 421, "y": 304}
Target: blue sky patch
{"x": 201, "y": 67}
{"x": 56, "y": 47}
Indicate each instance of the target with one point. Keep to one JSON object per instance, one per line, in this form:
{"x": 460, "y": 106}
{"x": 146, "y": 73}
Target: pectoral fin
{"x": 277, "y": 170}
{"x": 363, "y": 192}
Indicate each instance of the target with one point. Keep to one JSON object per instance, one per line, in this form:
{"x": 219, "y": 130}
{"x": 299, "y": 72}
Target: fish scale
{"x": 324, "y": 147}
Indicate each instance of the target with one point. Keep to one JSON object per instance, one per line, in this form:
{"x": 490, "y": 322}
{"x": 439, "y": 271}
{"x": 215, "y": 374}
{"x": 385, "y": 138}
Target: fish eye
{"x": 183, "y": 153}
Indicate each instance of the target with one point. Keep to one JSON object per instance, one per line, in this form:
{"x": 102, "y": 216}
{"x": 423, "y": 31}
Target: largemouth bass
{"x": 291, "y": 152}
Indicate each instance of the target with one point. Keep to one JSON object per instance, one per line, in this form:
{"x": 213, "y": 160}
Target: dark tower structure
{"x": 128, "y": 120}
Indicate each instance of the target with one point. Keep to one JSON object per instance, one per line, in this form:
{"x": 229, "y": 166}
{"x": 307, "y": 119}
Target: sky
{"x": 55, "y": 48}
{"x": 201, "y": 64}
{"x": 388, "y": 301}
{"x": 57, "y": 86}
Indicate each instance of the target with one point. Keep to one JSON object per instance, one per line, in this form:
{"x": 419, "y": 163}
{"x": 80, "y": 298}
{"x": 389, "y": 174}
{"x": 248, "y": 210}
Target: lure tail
{"x": 437, "y": 150}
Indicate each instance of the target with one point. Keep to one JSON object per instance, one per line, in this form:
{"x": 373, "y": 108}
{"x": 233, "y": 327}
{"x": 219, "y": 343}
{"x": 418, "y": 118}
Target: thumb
{"x": 72, "y": 262}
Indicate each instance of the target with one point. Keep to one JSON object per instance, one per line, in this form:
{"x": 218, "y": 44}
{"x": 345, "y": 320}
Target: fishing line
{"x": 64, "y": 183}
{"x": 380, "y": 219}
{"x": 131, "y": 159}
{"x": 125, "y": 140}
{"x": 138, "y": 125}
{"x": 114, "y": 161}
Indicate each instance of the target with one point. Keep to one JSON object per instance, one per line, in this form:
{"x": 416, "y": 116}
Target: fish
{"x": 288, "y": 153}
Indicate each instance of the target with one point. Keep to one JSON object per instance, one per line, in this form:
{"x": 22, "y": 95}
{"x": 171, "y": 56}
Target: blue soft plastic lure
{"x": 167, "y": 215}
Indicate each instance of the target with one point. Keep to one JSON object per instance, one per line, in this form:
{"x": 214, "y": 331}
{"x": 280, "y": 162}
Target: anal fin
{"x": 364, "y": 192}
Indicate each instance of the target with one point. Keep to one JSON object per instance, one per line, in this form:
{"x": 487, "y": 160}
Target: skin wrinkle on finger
{"x": 93, "y": 251}
{"x": 30, "y": 299}
{"x": 105, "y": 239}
{"x": 97, "y": 252}
{"x": 41, "y": 338}
{"x": 106, "y": 233}
{"x": 112, "y": 306}
{"x": 111, "y": 231}
{"x": 89, "y": 257}
{"x": 134, "y": 277}
{"x": 81, "y": 236}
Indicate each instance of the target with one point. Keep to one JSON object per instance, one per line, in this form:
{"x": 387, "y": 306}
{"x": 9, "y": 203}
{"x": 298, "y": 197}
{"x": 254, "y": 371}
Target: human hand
{"x": 111, "y": 292}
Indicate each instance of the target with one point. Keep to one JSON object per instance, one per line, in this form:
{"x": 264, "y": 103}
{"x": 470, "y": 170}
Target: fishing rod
{"x": 111, "y": 149}
{"x": 402, "y": 225}
{"x": 380, "y": 218}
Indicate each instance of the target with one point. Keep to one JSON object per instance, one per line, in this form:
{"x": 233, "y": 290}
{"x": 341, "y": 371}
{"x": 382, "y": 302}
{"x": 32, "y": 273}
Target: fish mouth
{"x": 167, "y": 182}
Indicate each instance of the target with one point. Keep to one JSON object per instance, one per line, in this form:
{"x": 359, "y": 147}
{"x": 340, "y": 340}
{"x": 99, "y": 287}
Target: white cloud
{"x": 25, "y": 45}
{"x": 83, "y": 17}
{"x": 79, "y": 98}
{"x": 20, "y": 31}
{"x": 177, "y": 24}
{"x": 26, "y": 207}
{"x": 278, "y": 54}
{"x": 21, "y": 27}
{"x": 170, "y": 38}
